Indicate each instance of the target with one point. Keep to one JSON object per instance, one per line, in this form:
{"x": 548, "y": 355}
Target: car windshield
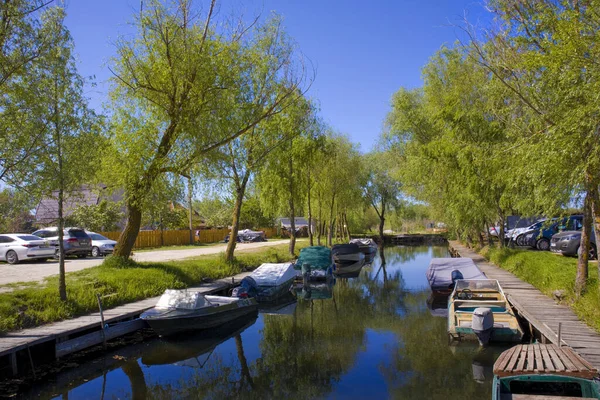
{"x": 29, "y": 237}
{"x": 96, "y": 236}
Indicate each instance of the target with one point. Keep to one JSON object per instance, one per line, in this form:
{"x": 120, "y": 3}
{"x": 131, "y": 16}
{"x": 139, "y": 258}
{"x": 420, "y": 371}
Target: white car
{"x": 15, "y": 247}
{"x": 101, "y": 245}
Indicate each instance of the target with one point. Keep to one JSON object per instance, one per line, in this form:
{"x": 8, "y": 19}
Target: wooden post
{"x": 101, "y": 319}
{"x": 559, "y": 333}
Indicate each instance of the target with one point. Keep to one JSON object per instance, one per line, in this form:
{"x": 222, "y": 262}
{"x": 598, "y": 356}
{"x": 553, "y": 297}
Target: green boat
{"x": 316, "y": 263}
{"x": 544, "y": 372}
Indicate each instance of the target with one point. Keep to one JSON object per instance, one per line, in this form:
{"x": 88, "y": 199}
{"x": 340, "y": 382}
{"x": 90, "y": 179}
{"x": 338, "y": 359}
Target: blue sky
{"x": 363, "y": 51}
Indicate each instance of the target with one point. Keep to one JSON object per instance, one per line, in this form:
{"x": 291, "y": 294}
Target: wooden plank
{"x": 522, "y": 358}
{"x": 547, "y": 359}
{"x": 530, "y": 361}
{"x": 504, "y": 359}
{"x": 539, "y": 360}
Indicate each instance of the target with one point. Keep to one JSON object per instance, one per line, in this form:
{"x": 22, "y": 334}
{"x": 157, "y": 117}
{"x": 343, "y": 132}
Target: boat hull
{"x": 193, "y": 321}
{"x": 267, "y": 294}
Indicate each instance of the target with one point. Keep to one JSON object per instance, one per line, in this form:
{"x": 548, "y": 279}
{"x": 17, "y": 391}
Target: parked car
{"x": 15, "y": 247}
{"x": 101, "y": 245}
{"x": 540, "y": 238}
{"x": 76, "y": 241}
{"x": 519, "y": 233}
{"x": 567, "y": 243}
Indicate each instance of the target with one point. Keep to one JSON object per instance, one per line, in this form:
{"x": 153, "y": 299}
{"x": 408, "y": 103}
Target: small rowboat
{"x": 544, "y": 372}
{"x": 478, "y": 309}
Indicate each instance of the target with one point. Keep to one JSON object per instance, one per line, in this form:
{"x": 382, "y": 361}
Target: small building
{"x": 300, "y": 223}
{"x": 46, "y": 213}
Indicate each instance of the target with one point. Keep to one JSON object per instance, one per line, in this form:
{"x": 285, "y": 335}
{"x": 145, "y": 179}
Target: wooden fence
{"x": 147, "y": 239}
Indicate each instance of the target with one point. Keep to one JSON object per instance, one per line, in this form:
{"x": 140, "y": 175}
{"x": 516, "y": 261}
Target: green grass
{"x": 190, "y": 246}
{"x": 129, "y": 281}
{"x": 549, "y": 272}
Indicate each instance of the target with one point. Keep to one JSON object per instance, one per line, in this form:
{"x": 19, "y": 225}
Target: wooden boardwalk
{"x": 541, "y": 311}
{"x": 61, "y": 332}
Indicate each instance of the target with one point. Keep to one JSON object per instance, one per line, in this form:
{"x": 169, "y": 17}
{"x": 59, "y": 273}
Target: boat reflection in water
{"x": 193, "y": 350}
{"x": 483, "y": 358}
{"x": 438, "y": 304}
{"x": 314, "y": 290}
{"x": 284, "y": 305}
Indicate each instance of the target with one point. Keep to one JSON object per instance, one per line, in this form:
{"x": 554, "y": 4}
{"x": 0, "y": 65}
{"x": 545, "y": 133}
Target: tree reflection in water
{"x": 308, "y": 353}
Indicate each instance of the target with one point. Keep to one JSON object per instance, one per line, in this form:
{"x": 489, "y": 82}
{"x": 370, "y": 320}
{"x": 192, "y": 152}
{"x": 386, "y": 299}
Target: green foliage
{"x": 15, "y": 214}
{"x": 130, "y": 281}
{"x": 549, "y": 272}
{"x": 102, "y": 217}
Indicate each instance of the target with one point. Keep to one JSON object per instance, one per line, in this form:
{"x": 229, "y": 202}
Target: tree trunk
{"x": 584, "y": 246}
{"x": 291, "y": 203}
{"x": 381, "y": 225}
{"x": 62, "y": 283}
{"x": 191, "y": 211}
{"x": 480, "y": 238}
{"x": 310, "y": 231}
{"x": 243, "y": 362}
{"x": 501, "y": 233}
{"x": 595, "y": 203}
{"x": 320, "y": 225}
{"x": 331, "y": 222}
{"x": 235, "y": 224}
{"x": 127, "y": 238}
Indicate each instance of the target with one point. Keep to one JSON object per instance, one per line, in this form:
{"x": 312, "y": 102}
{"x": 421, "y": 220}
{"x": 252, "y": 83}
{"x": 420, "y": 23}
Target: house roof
{"x": 47, "y": 209}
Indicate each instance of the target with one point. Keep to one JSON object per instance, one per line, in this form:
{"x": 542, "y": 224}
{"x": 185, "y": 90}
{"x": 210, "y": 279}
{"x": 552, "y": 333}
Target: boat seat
{"x": 467, "y": 324}
{"x": 509, "y": 396}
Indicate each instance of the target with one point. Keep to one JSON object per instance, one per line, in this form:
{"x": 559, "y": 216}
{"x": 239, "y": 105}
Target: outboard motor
{"x": 456, "y": 275}
{"x": 483, "y": 324}
{"x": 246, "y": 289}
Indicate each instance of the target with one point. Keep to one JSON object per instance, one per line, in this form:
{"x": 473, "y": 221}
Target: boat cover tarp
{"x": 274, "y": 274}
{"x": 349, "y": 248}
{"x": 183, "y": 300}
{"x": 439, "y": 273}
{"x": 318, "y": 257}
{"x": 364, "y": 242}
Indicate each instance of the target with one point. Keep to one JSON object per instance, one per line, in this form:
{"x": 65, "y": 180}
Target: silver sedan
{"x": 15, "y": 247}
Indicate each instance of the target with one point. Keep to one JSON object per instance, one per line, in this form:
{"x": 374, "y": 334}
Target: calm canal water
{"x": 373, "y": 337}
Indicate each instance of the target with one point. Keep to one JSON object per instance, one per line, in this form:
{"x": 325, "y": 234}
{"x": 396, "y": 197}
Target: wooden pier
{"x": 542, "y": 312}
{"x": 68, "y": 336}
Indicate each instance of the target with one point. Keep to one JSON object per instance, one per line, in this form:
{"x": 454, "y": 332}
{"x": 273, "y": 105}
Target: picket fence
{"x": 147, "y": 239}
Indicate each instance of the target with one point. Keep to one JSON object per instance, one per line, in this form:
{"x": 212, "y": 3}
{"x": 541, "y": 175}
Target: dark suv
{"x": 567, "y": 243}
{"x": 76, "y": 241}
{"x": 539, "y": 238}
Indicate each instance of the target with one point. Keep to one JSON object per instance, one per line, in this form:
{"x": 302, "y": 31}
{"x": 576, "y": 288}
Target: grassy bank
{"x": 549, "y": 272}
{"x": 39, "y": 304}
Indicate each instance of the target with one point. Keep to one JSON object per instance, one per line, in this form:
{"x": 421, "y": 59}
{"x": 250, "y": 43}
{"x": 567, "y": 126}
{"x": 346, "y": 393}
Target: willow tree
{"x": 542, "y": 52}
{"x": 382, "y": 188}
{"x": 25, "y": 39}
{"x": 280, "y": 181}
{"x": 175, "y": 85}
{"x": 71, "y": 129}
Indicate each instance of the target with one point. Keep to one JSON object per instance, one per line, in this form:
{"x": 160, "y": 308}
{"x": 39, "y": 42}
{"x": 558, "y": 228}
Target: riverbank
{"x": 39, "y": 303}
{"x": 552, "y": 274}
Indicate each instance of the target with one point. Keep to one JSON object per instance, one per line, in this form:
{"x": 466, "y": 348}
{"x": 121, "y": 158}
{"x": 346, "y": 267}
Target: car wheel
{"x": 81, "y": 255}
{"x": 520, "y": 240}
{"x": 96, "y": 252}
{"x": 543, "y": 244}
{"x": 57, "y": 254}
{"x": 11, "y": 257}
{"x": 592, "y": 254}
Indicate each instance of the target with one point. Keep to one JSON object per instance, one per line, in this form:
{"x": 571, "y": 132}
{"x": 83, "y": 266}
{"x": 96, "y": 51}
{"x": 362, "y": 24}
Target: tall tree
{"x": 25, "y": 39}
{"x": 382, "y": 188}
{"x": 175, "y": 84}
{"x": 72, "y": 130}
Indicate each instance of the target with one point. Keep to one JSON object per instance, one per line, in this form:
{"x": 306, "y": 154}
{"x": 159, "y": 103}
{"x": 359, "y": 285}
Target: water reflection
{"x": 368, "y": 337}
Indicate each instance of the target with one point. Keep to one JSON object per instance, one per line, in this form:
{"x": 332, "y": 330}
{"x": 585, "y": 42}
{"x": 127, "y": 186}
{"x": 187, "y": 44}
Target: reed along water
{"x": 379, "y": 335}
